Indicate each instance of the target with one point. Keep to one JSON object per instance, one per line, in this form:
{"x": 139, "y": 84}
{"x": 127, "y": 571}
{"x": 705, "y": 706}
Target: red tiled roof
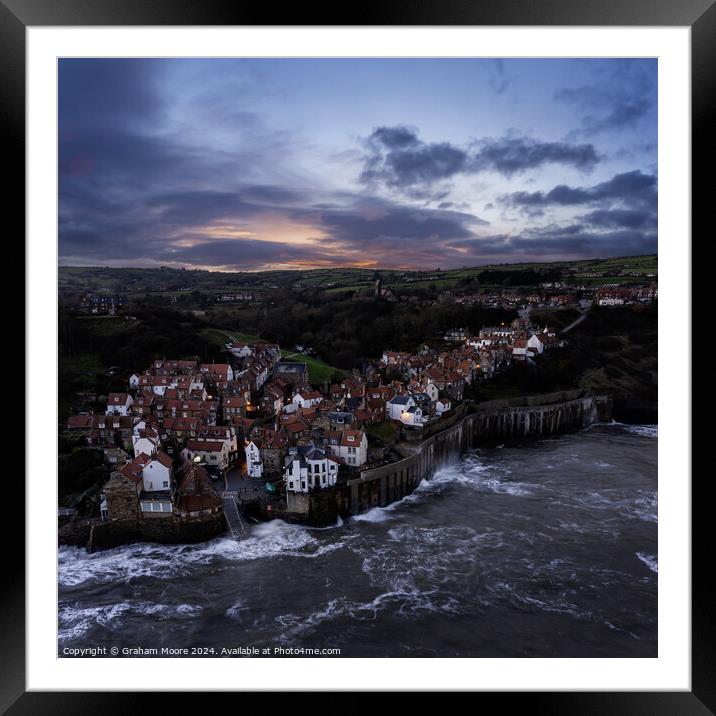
{"x": 79, "y": 421}
{"x": 204, "y": 446}
{"x": 346, "y": 441}
{"x": 163, "y": 458}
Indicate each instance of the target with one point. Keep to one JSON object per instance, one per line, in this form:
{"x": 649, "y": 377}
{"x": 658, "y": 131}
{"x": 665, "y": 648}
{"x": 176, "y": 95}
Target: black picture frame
{"x": 699, "y": 15}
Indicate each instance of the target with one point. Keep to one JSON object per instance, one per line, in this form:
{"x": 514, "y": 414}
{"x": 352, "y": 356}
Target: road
{"x": 575, "y": 322}
{"x": 237, "y": 526}
{"x": 239, "y": 485}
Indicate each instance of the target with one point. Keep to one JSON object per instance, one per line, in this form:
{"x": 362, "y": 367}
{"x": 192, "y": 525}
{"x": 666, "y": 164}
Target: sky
{"x": 255, "y": 164}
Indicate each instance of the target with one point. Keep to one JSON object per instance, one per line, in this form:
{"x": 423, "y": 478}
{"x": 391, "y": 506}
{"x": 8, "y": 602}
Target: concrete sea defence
{"x": 534, "y": 416}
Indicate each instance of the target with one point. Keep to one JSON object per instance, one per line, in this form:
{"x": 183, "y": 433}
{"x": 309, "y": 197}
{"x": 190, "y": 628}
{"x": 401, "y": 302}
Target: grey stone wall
{"x": 531, "y": 416}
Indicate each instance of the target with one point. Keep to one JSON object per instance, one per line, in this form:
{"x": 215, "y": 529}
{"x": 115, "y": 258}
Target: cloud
{"x": 513, "y": 155}
{"x": 621, "y": 218}
{"x": 112, "y": 93}
{"x": 624, "y": 97}
{"x": 633, "y": 187}
{"x": 243, "y": 254}
{"x": 555, "y": 243}
{"x": 399, "y": 159}
{"x": 498, "y": 80}
{"x": 178, "y": 163}
{"x": 375, "y": 224}
{"x": 232, "y": 229}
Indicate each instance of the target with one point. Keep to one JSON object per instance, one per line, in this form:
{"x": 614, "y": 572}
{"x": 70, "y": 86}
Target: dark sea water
{"x": 546, "y": 549}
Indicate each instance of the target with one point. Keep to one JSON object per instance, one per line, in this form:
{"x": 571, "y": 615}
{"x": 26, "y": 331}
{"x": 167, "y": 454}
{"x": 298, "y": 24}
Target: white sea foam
{"x": 650, "y": 560}
{"x": 401, "y": 603}
{"x": 75, "y": 620}
{"x": 376, "y": 514}
{"x": 383, "y": 514}
{"x": 647, "y": 431}
{"x": 165, "y": 562}
{"x": 643, "y": 506}
{"x": 237, "y": 610}
{"x": 558, "y": 606}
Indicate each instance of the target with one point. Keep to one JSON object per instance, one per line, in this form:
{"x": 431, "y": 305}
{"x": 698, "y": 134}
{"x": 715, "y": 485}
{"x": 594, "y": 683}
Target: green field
{"x": 384, "y": 431}
{"x": 220, "y": 337}
{"x": 318, "y": 371}
{"x": 177, "y": 282}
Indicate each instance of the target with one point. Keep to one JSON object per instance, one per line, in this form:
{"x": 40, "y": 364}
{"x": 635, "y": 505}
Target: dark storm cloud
{"x": 376, "y": 223}
{"x": 164, "y": 227}
{"x": 245, "y": 254}
{"x": 399, "y": 159}
{"x": 156, "y": 168}
{"x": 194, "y": 208}
{"x": 621, "y": 218}
{"x": 394, "y": 137}
{"x": 108, "y": 92}
{"x": 626, "y": 95}
{"x": 510, "y": 156}
{"x": 558, "y": 242}
{"x": 396, "y": 157}
{"x": 630, "y": 187}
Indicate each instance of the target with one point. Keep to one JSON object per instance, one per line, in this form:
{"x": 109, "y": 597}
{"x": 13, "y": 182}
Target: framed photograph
{"x": 350, "y": 336}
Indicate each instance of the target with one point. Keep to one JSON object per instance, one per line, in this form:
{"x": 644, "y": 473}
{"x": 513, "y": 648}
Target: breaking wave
{"x": 124, "y": 564}
{"x": 650, "y": 560}
{"x": 76, "y": 620}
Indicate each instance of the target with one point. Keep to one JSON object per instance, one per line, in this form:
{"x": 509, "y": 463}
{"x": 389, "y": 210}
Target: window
{"x": 165, "y": 483}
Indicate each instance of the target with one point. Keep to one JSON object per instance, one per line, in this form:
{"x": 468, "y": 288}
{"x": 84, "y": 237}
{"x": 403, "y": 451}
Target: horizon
{"x": 250, "y": 165}
{"x": 360, "y": 268}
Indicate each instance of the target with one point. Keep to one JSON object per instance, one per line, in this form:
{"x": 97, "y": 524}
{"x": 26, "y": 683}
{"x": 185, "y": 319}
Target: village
{"x": 185, "y": 435}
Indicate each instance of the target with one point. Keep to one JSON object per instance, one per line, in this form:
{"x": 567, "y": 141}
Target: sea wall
{"x": 534, "y": 416}
{"x": 95, "y": 534}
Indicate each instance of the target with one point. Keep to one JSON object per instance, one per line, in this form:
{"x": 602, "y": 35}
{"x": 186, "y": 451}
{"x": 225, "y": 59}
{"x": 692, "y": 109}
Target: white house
{"x": 145, "y": 440}
{"x": 152, "y": 476}
{"x": 119, "y": 403}
{"x": 442, "y": 406}
{"x": 158, "y": 384}
{"x": 352, "y": 448}
{"x": 197, "y": 383}
{"x": 239, "y": 349}
{"x": 535, "y": 342}
{"x": 134, "y": 381}
{"x": 157, "y": 473}
{"x": 398, "y": 404}
{"x": 413, "y": 416}
{"x": 307, "y": 398}
{"x": 254, "y": 463}
{"x": 431, "y": 390}
{"x": 308, "y": 468}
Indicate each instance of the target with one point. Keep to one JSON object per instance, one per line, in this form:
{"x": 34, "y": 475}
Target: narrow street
{"x": 238, "y": 485}
{"x": 575, "y": 322}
